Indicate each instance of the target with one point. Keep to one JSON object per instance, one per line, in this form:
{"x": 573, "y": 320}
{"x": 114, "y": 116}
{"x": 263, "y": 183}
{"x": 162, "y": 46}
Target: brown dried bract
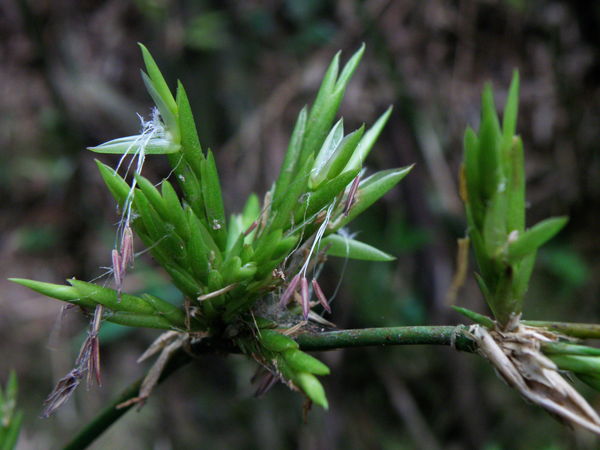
{"x": 517, "y": 358}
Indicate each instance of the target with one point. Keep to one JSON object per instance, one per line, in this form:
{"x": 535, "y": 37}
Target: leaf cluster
{"x": 232, "y": 269}
{"x": 493, "y": 190}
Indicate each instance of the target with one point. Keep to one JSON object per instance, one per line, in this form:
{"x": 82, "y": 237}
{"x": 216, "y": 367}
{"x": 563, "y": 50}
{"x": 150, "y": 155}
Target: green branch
{"x": 420, "y": 335}
{"x": 456, "y": 336}
{"x": 424, "y": 335}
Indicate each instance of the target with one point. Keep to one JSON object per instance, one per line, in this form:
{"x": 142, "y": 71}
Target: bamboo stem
{"x": 455, "y": 336}
{"x": 419, "y": 335}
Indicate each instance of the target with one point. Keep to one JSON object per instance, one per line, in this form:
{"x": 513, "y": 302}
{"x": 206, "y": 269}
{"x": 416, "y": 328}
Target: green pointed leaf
{"x": 247, "y": 271}
{"x": 589, "y": 365}
{"x": 230, "y": 269}
{"x": 250, "y": 216}
{"x": 263, "y": 323}
{"x": 287, "y": 171}
{"x": 157, "y": 253}
{"x": 327, "y": 86}
{"x": 130, "y": 319}
{"x": 57, "y": 291}
{"x": 235, "y": 231}
{"x": 213, "y": 200}
{"x": 117, "y": 186}
{"x": 475, "y": 317}
{"x": 333, "y": 139}
{"x": 503, "y": 303}
{"x": 368, "y": 140}
{"x": 266, "y": 245}
{"x": 215, "y": 280}
{"x": 251, "y": 211}
{"x": 487, "y": 296}
{"x": 370, "y": 190}
{"x": 563, "y": 348}
{"x": 303, "y": 362}
{"x": 322, "y": 112}
{"x": 236, "y": 248}
{"x": 285, "y": 246}
{"x": 265, "y": 269}
{"x": 346, "y": 247}
{"x": 312, "y": 388}
{"x": 485, "y": 264}
{"x": 198, "y": 250}
{"x": 131, "y": 145}
{"x": 283, "y": 213}
{"x": 168, "y": 116}
{"x": 184, "y": 281}
{"x": 158, "y": 81}
{"x": 276, "y": 342}
{"x": 110, "y": 298}
{"x": 199, "y": 231}
{"x": 173, "y": 314}
{"x": 247, "y": 253}
{"x": 175, "y": 213}
{"x": 326, "y": 105}
{"x": 190, "y": 144}
{"x": 153, "y": 224}
{"x": 342, "y": 153}
{"x": 349, "y": 69}
{"x": 509, "y": 121}
{"x": 488, "y": 108}
{"x": 524, "y": 269}
{"x": 324, "y": 195}
{"x": 192, "y": 190}
{"x": 490, "y": 162}
{"x": 9, "y": 440}
{"x": 494, "y": 225}
{"x": 152, "y": 195}
{"x": 534, "y": 237}
{"x": 516, "y": 187}
{"x": 284, "y": 369}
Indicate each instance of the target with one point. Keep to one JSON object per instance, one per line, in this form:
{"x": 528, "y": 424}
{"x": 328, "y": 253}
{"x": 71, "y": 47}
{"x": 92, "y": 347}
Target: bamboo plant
{"x": 251, "y": 277}
{"x": 250, "y": 280}
{"x": 10, "y": 417}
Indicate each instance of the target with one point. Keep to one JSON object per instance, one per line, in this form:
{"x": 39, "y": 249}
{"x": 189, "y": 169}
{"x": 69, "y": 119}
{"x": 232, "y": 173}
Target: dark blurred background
{"x": 69, "y": 78}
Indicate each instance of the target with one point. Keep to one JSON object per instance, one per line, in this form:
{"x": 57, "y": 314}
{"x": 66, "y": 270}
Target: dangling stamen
{"x": 305, "y": 297}
{"x": 351, "y": 195}
{"x": 289, "y": 291}
{"x": 127, "y": 253}
{"x": 116, "y": 263}
{"x": 319, "y": 293}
